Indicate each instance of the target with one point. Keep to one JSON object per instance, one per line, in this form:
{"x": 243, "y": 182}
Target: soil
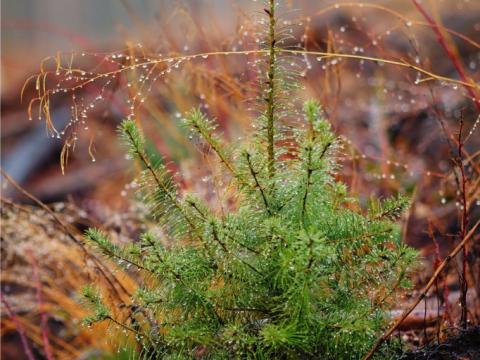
{"x": 465, "y": 346}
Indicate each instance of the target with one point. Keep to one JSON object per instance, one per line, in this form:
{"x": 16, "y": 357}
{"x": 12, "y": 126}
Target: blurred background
{"x": 399, "y": 128}
{"x": 34, "y": 30}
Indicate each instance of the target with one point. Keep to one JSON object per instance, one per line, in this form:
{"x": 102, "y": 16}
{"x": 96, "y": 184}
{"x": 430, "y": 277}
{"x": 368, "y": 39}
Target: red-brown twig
{"x": 443, "y": 43}
{"x": 463, "y": 226}
{"x": 43, "y": 314}
{"x": 424, "y": 292}
{"x": 436, "y": 263}
{"x": 19, "y": 327}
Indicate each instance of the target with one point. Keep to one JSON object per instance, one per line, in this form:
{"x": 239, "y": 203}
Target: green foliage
{"x": 293, "y": 270}
{"x": 94, "y": 302}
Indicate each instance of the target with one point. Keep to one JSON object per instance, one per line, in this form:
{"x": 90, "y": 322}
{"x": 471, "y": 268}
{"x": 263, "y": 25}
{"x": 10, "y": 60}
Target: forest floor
{"x": 465, "y": 345}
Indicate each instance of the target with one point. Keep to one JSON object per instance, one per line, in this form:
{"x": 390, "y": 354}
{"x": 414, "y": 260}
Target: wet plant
{"x": 292, "y": 268}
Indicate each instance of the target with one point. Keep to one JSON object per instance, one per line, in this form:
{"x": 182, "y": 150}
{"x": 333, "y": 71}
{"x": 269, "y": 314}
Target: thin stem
{"x": 310, "y": 171}
{"x": 216, "y": 238}
{"x": 310, "y": 251}
{"x": 215, "y": 147}
{"x": 179, "y": 278}
{"x": 304, "y": 204}
{"x": 204, "y": 217}
{"x": 246, "y": 310}
{"x": 112, "y": 254}
{"x": 225, "y": 249}
{"x": 463, "y": 228}
{"x": 450, "y": 53}
{"x": 146, "y": 162}
{"x": 19, "y": 327}
{"x": 404, "y": 19}
{"x": 233, "y": 238}
{"x": 126, "y": 327}
{"x": 194, "y": 205}
{"x": 307, "y": 182}
{"x": 257, "y": 183}
{"x": 429, "y": 75}
{"x": 270, "y": 99}
{"x": 43, "y": 314}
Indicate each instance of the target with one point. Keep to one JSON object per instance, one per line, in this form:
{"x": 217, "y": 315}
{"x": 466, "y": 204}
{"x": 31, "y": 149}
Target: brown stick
{"x": 463, "y": 227}
{"x": 437, "y": 272}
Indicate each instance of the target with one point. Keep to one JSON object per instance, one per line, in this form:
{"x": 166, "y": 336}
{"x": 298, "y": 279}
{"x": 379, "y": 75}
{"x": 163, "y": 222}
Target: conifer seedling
{"x": 293, "y": 271}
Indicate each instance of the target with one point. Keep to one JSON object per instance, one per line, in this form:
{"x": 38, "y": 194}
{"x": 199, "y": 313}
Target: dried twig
{"x": 20, "y": 328}
{"x": 43, "y": 314}
{"x": 463, "y": 226}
